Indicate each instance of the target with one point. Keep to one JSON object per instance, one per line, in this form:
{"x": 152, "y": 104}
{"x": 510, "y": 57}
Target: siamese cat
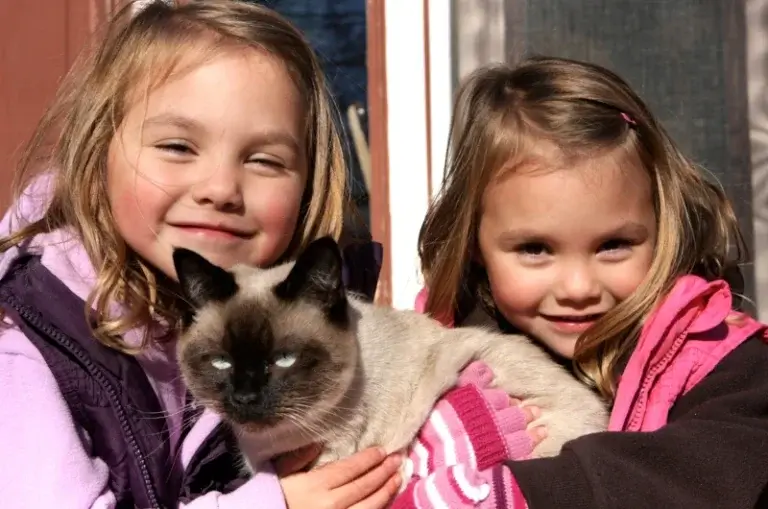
{"x": 289, "y": 358}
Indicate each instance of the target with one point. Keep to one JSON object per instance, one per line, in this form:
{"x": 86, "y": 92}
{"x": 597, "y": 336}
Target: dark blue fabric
{"x": 362, "y": 265}
{"x": 336, "y": 30}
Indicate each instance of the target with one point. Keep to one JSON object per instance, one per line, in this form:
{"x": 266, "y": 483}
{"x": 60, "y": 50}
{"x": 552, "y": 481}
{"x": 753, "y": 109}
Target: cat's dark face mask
{"x": 265, "y": 346}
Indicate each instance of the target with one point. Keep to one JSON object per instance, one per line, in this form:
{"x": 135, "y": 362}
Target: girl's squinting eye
{"x": 265, "y": 163}
{"x": 176, "y": 148}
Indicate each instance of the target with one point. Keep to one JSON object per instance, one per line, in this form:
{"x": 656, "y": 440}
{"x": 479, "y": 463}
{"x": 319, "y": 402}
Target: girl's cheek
{"x": 278, "y": 212}
{"x": 514, "y": 287}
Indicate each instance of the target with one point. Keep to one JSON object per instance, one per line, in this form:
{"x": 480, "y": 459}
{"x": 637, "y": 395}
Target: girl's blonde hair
{"x": 138, "y": 52}
{"x": 584, "y": 110}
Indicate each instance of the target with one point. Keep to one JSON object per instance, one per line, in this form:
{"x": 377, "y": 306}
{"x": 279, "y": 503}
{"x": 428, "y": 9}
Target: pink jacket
{"x": 692, "y": 330}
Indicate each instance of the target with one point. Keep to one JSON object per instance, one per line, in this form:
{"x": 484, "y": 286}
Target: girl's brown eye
{"x": 615, "y": 244}
{"x": 532, "y": 248}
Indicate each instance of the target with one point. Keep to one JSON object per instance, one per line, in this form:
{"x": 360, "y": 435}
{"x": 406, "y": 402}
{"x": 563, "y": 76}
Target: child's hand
{"x": 366, "y": 480}
{"x": 480, "y": 374}
{"x": 473, "y": 424}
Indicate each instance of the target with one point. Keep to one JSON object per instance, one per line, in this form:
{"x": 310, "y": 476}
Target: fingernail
{"x": 535, "y": 411}
{"x": 396, "y": 459}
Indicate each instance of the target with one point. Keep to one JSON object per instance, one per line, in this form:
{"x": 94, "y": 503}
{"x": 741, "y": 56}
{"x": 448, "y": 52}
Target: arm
{"x": 43, "y": 459}
{"x": 44, "y": 456}
{"x": 457, "y": 457}
{"x": 711, "y": 454}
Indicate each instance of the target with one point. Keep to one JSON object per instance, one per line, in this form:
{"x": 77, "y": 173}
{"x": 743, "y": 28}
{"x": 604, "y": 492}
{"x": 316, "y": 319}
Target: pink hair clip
{"x": 629, "y": 120}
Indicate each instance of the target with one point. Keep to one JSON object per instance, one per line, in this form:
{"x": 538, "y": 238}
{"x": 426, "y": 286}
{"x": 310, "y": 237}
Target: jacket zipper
{"x": 94, "y": 371}
{"x": 639, "y": 406}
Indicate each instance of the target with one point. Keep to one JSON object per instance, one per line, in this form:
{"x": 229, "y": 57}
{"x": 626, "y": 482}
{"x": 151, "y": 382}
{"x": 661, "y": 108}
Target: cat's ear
{"x": 317, "y": 277}
{"x": 200, "y": 280}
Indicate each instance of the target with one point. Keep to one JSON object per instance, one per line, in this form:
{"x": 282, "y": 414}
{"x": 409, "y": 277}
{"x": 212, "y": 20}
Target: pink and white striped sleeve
{"x": 462, "y": 487}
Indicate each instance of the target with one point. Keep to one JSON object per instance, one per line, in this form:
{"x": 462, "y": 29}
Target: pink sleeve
{"x": 44, "y": 457}
{"x": 463, "y": 487}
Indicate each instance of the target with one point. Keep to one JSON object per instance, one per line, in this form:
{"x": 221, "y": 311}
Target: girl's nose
{"x": 578, "y": 284}
{"x": 220, "y": 188}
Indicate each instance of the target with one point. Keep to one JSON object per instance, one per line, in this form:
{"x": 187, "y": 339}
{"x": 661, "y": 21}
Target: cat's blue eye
{"x": 285, "y": 360}
{"x": 220, "y": 363}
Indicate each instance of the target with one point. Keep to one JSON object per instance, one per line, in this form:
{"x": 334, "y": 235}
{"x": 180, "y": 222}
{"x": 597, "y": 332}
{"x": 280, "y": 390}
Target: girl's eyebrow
{"x": 172, "y": 119}
{"x": 628, "y": 229}
{"x": 518, "y": 234}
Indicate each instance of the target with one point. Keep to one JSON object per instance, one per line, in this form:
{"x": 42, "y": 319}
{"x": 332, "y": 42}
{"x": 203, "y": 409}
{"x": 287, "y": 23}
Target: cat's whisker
{"x": 310, "y": 431}
{"x": 167, "y": 414}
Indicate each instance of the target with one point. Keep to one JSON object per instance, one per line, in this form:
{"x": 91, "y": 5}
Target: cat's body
{"x": 297, "y": 360}
{"x": 409, "y": 361}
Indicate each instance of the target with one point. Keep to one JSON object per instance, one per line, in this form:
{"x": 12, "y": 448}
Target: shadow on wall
{"x": 757, "y": 76}
{"x": 479, "y": 26}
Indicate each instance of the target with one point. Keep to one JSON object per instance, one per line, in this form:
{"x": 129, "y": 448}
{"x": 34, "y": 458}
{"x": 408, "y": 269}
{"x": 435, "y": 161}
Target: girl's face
{"x": 214, "y": 161}
{"x": 562, "y": 246}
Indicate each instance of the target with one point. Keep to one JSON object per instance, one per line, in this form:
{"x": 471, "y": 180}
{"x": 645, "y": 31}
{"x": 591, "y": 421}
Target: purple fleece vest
{"x": 111, "y": 398}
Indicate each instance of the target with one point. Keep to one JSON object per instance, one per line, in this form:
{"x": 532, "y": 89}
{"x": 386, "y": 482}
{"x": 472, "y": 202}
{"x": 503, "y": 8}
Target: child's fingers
{"x": 294, "y": 461}
{"x": 537, "y": 434}
{"x": 348, "y": 469}
{"x": 381, "y": 498}
{"x": 531, "y": 412}
{"x": 365, "y": 486}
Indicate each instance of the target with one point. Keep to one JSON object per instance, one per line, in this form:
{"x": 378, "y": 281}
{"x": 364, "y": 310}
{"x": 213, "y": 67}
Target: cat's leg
{"x": 569, "y": 408}
{"x": 439, "y": 371}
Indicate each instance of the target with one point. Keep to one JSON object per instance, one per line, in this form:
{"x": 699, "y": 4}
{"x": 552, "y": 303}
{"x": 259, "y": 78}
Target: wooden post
{"x": 377, "y": 129}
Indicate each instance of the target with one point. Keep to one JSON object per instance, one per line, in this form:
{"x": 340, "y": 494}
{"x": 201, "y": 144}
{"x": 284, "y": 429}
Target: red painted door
{"x": 38, "y": 43}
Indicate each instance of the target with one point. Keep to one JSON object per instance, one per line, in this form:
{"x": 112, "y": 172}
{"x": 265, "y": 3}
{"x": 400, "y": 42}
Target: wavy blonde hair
{"x": 136, "y": 53}
{"x": 499, "y": 112}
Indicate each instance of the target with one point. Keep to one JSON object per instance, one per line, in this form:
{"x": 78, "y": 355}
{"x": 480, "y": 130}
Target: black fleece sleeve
{"x": 713, "y": 453}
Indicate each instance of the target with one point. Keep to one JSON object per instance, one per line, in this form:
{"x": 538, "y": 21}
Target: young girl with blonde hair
{"x": 206, "y": 126}
{"x": 568, "y": 214}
